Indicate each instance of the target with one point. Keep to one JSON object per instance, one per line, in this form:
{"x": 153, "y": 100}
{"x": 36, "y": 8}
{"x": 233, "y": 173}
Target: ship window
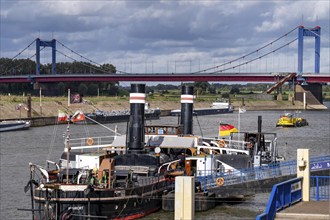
{"x": 160, "y": 131}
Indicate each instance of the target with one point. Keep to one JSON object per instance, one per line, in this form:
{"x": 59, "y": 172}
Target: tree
{"x": 3, "y": 88}
{"x": 201, "y": 87}
{"x": 212, "y": 90}
{"x": 92, "y": 89}
{"x": 82, "y": 89}
{"x": 109, "y": 68}
{"x": 234, "y": 90}
{"x": 61, "y": 88}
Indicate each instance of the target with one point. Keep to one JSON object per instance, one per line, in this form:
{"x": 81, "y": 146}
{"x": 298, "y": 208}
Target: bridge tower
{"x": 308, "y": 32}
{"x": 309, "y": 93}
{"x": 41, "y": 43}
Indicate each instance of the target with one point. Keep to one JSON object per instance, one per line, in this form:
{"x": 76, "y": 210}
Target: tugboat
{"x": 113, "y": 183}
{"x": 289, "y": 120}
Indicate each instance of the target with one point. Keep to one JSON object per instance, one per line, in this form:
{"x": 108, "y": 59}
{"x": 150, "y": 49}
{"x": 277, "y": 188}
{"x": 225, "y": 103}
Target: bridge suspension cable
{"x": 19, "y": 53}
{"x": 22, "y": 63}
{"x": 250, "y": 61}
{"x": 248, "y": 54}
{"x": 89, "y": 60}
{"x": 84, "y": 64}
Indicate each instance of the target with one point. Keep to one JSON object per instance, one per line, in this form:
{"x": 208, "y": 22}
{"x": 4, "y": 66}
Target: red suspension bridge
{"x": 183, "y": 77}
{"x": 225, "y": 72}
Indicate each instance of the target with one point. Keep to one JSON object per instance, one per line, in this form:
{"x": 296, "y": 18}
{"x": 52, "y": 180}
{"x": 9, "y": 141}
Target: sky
{"x": 169, "y": 36}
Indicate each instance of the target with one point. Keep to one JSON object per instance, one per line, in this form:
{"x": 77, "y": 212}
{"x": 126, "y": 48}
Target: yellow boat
{"x": 288, "y": 120}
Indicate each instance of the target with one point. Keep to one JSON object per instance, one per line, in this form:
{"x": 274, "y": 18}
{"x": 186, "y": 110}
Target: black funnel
{"x": 136, "y": 120}
{"x": 187, "y": 101}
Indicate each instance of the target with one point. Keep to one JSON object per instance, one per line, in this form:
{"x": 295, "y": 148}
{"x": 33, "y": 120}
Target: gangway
{"x": 281, "y": 82}
{"x": 259, "y": 179}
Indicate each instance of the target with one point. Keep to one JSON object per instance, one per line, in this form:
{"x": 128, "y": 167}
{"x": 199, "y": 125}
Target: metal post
{"x": 89, "y": 207}
{"x": 31, "y": 191}
{"x": 69, "y": 97}
{"x": 40, "y": 103}
{"x": 239, "y": 122}
{"x": 67, "y": 153}
{"x": 29, "y": 107}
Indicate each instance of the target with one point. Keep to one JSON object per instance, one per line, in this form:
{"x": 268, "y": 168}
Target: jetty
{"x": 303, "y": 197}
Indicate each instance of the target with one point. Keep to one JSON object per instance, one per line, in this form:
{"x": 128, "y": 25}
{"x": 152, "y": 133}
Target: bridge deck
{"x": 306, "y": 210}
{"x": 160, "y": 77}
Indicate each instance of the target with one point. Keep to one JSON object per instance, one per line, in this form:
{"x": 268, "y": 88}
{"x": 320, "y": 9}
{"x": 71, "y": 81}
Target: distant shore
{"x": 50, "y": 108}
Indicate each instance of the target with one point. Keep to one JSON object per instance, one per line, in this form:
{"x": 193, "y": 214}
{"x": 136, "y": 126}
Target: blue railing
{"x": 283, "y": 194}
{"x": 286, "y": 193}
{"x": 208, "y": 177}
{"x": 319, "y": 188}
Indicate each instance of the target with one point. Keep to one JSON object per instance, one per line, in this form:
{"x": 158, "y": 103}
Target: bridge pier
{"x": 310, "y": 94}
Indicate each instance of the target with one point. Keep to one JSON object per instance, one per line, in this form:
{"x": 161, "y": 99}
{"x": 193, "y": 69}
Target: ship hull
{"x": 104, "y": 119}
{"x": 14, "y": 125}
{"x": 124, "y": 203}
{"x": 205, "y": 111}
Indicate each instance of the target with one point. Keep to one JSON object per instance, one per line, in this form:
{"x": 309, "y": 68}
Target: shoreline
{"x": 49, "y": 110}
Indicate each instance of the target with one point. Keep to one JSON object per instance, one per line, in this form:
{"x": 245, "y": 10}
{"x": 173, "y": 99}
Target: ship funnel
{"x": 187, "y": 101}
{"x": 136, "y": 120}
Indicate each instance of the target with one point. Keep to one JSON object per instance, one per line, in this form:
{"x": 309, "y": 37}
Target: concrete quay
{"x": 317, "y": 210}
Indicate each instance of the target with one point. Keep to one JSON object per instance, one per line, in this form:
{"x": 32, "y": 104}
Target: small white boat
{"x": 14, "y": 125}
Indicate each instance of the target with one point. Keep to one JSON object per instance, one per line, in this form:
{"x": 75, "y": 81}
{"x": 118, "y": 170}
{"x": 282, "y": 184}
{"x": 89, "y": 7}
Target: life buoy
{"x": 220, "y": 181}
{"x": 90, "y": 141}
{"x": 221, "y": 143}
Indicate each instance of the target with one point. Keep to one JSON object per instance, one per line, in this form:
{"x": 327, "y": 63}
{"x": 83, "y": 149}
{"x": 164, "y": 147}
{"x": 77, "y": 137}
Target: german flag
{"x": 226, "y": 129}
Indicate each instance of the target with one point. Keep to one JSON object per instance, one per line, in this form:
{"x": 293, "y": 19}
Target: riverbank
{"x": 50, "y": 107}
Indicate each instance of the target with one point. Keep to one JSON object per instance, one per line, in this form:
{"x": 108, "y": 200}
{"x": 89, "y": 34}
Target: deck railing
{"x": 78, "y": 142}
{"x": 319, "y": 188}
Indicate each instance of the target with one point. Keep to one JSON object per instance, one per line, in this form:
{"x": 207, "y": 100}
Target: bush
{"x": 82, "y": 89}
{"x": 234, "y": 90}
{"x": 61, "y": 88}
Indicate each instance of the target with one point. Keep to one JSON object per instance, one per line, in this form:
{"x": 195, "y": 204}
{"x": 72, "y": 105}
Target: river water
{"x": 37, "y": 144}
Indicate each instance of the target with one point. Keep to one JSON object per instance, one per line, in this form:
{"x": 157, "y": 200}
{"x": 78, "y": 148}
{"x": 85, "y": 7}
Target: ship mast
{"x": 67, "y": 149}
